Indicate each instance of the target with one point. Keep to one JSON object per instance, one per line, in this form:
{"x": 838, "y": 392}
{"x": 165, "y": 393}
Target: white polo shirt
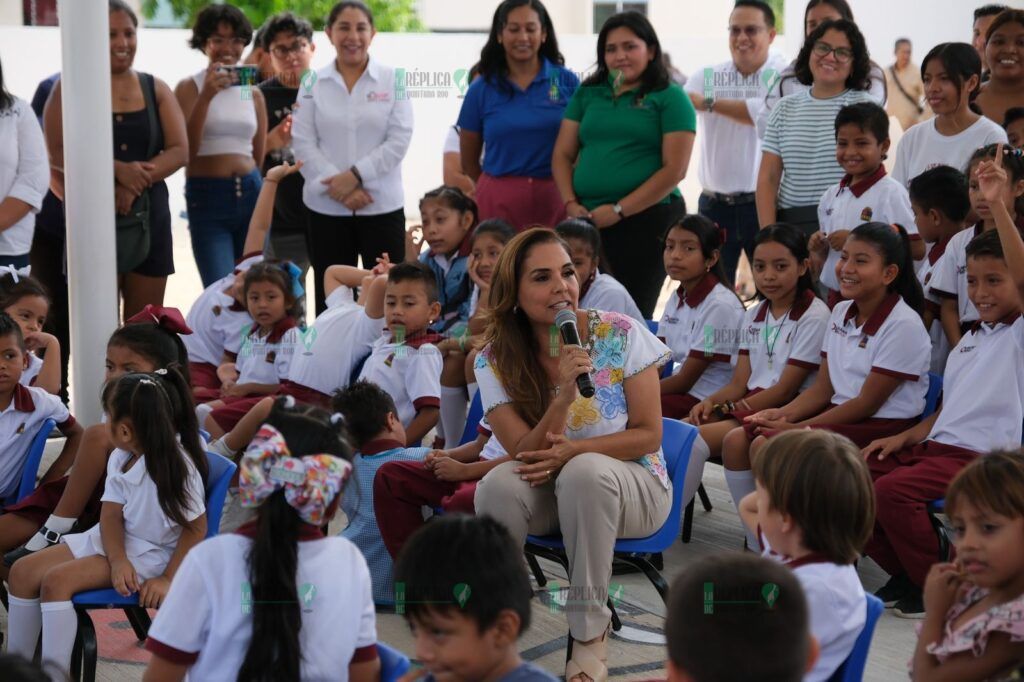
{"x": 771, "y": 343}
{"x": 836, "y": 606}
{"x": 983, "y": 387}
{"x": 19, "y": 423}
{"x": 206, "y": 619}
{"x": 337, "y": 341}
{"x": 606, "y": 293}
{"x": 35, "y": 364}
{"x": 410, "y": 372}
{"x": 216, "y": 320}
{"x": 730, "y": 151}
{"x": 890, "y": 343}
{"x": 369, "y": 128}
{"x": 949, "y": 274}
{"x": 922, "y": 147}
{"x": 940, "y": 344}
{"x": 267, "y": 359}
{"x": 704, "y": 324}
{"x": 844, "y": 206}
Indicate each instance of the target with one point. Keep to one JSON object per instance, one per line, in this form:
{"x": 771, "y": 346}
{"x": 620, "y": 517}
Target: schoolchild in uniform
{"x": 145, "y": 343}
{"x": 779, "y": 353}
{"x": 874, "y": 376}
{"x": 702, "y": 317}
{"x": 24, "y": 410}
{"x": 981, "y": 410}
{"x": 275, "y": 600}
{"x": 219, "y": 315}
{"x": 26, "y": 300}
{"x": 154, "y": 513}
{"x": 598, "y": 290}
{"x": 405, "y": 362}
{"x": 271, "y": 291}
{"x": 940, "y": 202}
{"x": 949, "y": 278}
{"x": 865, "y": 194}
{"x": 813, "y": 510}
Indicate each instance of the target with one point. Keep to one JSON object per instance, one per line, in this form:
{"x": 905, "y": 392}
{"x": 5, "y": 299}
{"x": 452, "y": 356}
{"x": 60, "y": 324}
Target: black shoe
{"x": 52, "y": 538}
{"x": 898, "y": 587}
{"x": 911, "y": 606}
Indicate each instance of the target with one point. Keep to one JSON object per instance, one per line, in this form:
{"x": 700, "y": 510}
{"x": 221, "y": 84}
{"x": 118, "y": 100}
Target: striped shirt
{"x": 801, "y": 130}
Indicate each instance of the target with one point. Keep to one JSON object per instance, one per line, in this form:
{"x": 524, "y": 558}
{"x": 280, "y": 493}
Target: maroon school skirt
{"x": 677, "y": 405}
{"x": 205, "y": 383}
{"x": 861, "y": 433}
{"x": 38, "y": 506}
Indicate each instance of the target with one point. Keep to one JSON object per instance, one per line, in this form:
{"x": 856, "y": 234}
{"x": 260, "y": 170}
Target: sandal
{"x": 589, "y": 659}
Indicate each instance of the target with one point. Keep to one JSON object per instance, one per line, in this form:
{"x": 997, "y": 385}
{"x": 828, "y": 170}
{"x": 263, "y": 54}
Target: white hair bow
{"x": 16, "y": 273}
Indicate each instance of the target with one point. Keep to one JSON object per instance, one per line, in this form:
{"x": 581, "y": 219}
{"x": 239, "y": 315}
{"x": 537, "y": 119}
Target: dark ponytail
{"x": 159, "y": 406}
{"x": 161, "y": 347}
{"x": 274, "y": 652}
{"x": 711, "y": 238}
{"x": 796, "y": 243}
{"x": 893, "y": 244}
{"x": 583, "y": 230}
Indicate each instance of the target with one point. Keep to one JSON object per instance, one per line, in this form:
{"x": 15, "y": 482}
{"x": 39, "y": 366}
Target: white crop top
{"x": 230, "y": 122}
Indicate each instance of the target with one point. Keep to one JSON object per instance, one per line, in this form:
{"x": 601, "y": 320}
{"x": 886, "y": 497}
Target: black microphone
{"x": 565, "y": 320}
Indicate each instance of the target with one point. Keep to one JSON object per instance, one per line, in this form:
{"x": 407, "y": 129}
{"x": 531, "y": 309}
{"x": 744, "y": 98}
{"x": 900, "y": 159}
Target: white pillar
{"x": 89, "y": 196}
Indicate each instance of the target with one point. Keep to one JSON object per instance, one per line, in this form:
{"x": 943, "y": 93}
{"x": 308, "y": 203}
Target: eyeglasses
{"x": 282, "y": 51}
{"x": 751, "y": 31}
{"x": 221, "y": 41}
{"x": 843, "y": 54}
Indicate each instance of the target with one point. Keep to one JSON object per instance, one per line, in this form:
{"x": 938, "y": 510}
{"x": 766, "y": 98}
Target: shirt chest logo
{"x": 670, "y": 320}
{"x": 378, "y": 97}
{"x": 841, "y": 331}
{"x": 961, "y": 269}
{"x": 967, "y": 349}
{"x": 866, "y": 214}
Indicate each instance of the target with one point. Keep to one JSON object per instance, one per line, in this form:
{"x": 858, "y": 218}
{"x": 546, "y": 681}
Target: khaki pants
{"x": 593, "y": 500}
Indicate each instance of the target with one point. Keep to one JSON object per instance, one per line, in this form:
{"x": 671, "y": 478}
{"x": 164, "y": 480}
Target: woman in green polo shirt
{"x": 629, "y": 131}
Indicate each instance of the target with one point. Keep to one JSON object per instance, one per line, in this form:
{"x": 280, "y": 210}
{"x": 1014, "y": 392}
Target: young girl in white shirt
{"x": 153, "y": 514}
{"x": 598, "y": 290}
{"x": 26, "y": 300}
{"x": 266, "y": 602}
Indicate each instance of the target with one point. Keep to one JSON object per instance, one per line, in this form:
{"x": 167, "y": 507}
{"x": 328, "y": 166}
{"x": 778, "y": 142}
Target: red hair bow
{"x": 168, "y": 319}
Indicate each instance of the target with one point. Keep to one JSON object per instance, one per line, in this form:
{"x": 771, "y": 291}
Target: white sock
{"x": 221, "y": 448}
{"x": 741, "y": 484}
{"x": 24, "y": 623}
{"x": 471, "y": 389}
{"x": 453, "y": 413}
{"x": 203, "y": 410}
{"x": 695, "y": 469}
{"x": 60, "y": 625}
{"x": 59, "y": 524}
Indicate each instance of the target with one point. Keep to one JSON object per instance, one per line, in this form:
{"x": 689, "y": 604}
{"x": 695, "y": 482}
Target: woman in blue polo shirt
{"x": 622, "y": 151}
{"x": 515, "y": 108}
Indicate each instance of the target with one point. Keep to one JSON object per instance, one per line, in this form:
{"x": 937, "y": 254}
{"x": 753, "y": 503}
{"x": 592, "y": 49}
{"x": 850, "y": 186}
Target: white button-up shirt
{"x": 24, "y": 172}
{"x": 369, "y": 128}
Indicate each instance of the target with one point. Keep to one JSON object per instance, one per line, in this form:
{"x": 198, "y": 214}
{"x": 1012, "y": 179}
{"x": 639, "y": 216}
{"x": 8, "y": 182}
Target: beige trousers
{"x": 593, "y": 500}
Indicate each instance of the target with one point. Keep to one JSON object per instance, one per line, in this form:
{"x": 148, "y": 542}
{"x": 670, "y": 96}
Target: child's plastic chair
{"x": 931, "y": 401}
{"x": 393, "y": 663}
{"x": 84, "y": 655}
{"x": 30, "y": 470}
{"x": 852, "y": 669}
{"x": 476, "y": 413}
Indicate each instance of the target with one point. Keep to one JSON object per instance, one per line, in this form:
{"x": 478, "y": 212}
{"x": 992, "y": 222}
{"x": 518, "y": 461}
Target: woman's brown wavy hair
{"x": 514, "y": 349}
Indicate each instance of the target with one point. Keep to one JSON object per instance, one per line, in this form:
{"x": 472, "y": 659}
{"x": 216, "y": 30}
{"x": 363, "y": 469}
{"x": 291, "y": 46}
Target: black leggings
{"x": 340, "y": 240}
{"x": 633, "y": 251}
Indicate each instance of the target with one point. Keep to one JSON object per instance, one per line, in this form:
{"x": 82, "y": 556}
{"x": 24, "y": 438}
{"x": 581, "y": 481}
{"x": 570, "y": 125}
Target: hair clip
{"x": 147, "y": 381}
{"x": 289, "y": 401}
{"x": 895, "y": 227}
{"x": 160, "y": 372}
{"x": 1013, "y": 151}
{"x": 337, "y": 418}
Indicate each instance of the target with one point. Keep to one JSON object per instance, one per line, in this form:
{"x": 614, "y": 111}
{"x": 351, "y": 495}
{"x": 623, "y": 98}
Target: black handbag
{"x": 133, "y": 229}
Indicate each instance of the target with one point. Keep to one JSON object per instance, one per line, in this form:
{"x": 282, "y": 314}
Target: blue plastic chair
{"x": 476, "y": 413}
{"x": 666, "y": 371}
{"x": 931, "y": 401}
{"x": 393, "y": 663}
{"x": 676, "y": 442}
{"x": 30, "y": 470}
{"x": 83, "y": 657}
{"x": 852, "y": 669}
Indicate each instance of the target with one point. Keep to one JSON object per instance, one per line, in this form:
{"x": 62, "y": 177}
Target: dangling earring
{"x": 515, "y": 308}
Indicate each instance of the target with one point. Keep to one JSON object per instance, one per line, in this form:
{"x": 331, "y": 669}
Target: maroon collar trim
{"x": 418, "y": 339}
{"x": 379, "y": 445}
{"x": 940, "y": 248}
{"x": 700, "y": 292}
{"x": 279, "y": 330}
{"x": 807, "y": 559}
{"x": 306, "y": 531}
{"x": 586, "y": 285}
{"x": 23, "y": 401}
{"x": 465, "y": 248}
{"x": 797, "y": 311}
{"x": 861, "y": 186}
{"x": 1007, "y": 319}
{"x": 874, "y": 323}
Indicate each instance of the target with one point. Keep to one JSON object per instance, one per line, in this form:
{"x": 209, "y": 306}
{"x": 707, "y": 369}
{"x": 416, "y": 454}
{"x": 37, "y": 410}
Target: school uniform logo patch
{"x": 866, "y": 214}
{"x": 21, "y": 429}
{"x": 836, "y": 329}
{"x": 863, "y": 342}
{"x": 217, "y": 310}
{"x": 961, "y": 269}
{"x": 967, "y": 349}
{"x": 272, "y": 356}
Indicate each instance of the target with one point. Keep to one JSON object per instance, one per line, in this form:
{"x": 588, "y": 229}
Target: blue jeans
{"x": 219, "y": 210}
{"x": 740, "y": 224}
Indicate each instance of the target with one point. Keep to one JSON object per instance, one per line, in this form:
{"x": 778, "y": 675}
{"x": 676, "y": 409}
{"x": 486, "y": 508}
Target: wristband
{"x": 355, "y": 172}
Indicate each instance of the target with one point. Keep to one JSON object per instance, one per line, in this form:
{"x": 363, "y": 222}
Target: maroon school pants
{"x": 905, "y": 482}
{"x": 400, "y": 489}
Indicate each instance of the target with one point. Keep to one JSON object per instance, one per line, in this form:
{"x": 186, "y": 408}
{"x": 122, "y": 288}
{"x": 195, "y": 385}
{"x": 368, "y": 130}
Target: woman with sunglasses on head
{"x": 786, "y": 83}
{"x": 799, "y": 152}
